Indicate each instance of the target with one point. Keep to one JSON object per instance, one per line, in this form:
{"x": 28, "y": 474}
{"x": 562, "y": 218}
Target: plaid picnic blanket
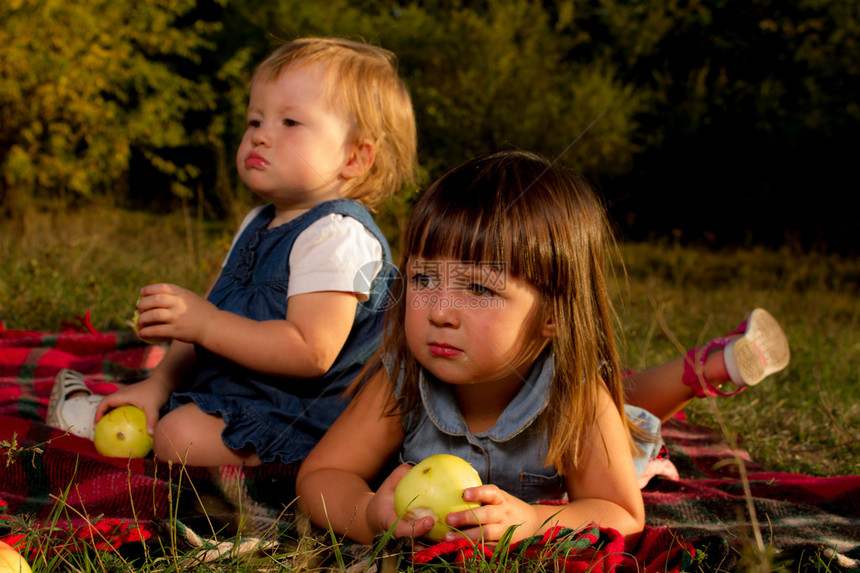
{"x": 698, "y": 522}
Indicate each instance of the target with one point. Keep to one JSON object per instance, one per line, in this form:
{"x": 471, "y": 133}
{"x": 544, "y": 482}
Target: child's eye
{"x": 254, "y": 123}
{"x": 479, "y": 290}
{"x": 421, "y": 281}
{"x": 290, "y": 122}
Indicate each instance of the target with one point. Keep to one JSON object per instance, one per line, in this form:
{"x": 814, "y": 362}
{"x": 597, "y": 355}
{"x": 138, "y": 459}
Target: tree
{"x": 483, "y": 76}
{"x": 83, "y": 84}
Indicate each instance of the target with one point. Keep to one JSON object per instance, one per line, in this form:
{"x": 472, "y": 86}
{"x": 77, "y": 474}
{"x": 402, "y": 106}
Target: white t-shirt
{"x": 335, "y": 253}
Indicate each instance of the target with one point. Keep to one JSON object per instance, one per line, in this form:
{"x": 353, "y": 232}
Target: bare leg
{"x": 660, "y": 389}
{"x": 189, "y": 435}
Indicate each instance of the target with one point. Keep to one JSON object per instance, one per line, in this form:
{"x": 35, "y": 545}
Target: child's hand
{"x": 170, "y": 311}
{"x": 380, "y": 511}
{"x": 499, "y": 510}
{"x": 145, "y": 395}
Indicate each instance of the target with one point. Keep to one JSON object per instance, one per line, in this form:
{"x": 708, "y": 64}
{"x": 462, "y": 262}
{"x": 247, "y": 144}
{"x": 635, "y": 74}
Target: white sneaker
{"x": 74, "y": 415}
{"x": 761, "y": 351}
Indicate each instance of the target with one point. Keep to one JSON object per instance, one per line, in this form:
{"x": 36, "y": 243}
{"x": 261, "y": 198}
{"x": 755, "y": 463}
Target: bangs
{"x": 465, "y": 233}
{"x": 490, "y": 213}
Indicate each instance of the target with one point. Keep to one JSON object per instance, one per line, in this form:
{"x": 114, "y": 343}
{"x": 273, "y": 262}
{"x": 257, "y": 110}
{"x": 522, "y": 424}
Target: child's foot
{"x": 72, "y": 406}
{"x": 761, "y": 351}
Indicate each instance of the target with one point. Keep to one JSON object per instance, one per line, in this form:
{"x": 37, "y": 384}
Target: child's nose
{"x": 261, "y": 134}
{"x": 443, "y": 309}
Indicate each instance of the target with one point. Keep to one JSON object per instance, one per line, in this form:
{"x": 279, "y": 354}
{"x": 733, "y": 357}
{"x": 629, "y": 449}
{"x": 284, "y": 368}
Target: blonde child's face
{"x": 471, "y": 323}
{"x": 296, "y": 146}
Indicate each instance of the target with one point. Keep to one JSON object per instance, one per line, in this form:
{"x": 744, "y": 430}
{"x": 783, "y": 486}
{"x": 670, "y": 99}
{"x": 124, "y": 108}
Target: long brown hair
{"x": 547, "y": 227}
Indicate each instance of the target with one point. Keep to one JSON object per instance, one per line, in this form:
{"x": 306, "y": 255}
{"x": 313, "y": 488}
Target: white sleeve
{"x": 336, "y": 253}
{"x": 245, "y": 222}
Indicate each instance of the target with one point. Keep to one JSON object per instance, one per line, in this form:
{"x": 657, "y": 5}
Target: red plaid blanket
{"x": 701, "y": 521}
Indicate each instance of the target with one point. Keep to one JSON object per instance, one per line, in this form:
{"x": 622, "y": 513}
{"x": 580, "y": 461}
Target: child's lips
{"x": 255, "y": 161}
{"x": 443, "y": 350}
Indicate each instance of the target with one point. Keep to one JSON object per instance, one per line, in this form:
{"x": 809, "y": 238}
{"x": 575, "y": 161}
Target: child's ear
{"x": 360, "y": 160}
{"x": 547, "y": 329}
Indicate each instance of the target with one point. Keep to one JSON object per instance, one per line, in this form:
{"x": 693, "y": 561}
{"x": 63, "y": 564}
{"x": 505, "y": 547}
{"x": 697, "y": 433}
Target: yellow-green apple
{"x": 11, "y": 561}
{"x": 435, "y": 487}
{"x": 133, "y": 324}
{"x": 122, "y": 433}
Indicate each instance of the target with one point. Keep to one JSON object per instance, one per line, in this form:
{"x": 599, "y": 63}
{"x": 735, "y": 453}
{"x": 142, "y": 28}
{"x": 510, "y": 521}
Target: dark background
{"x": 727, "y": 123}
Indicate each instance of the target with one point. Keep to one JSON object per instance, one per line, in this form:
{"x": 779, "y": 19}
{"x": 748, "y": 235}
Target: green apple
{"x": 435, "y": 487}
{"x": 11, "y": 561}
{"x": 133, "y": 324}
{"x": 121, "y": 433}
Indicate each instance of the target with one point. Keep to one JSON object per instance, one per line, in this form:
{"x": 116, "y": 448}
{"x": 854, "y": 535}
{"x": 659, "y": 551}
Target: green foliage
{"x": 140, "y": 101}
{"x": 510, "y": 85}
{"x": 773, "y": 63}
{"x": 83, "y": 84}
{"x": 483, "y": 76}
{"x": 86, "y": 86}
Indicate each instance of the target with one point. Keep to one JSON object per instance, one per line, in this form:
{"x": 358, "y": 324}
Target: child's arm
{"x": 152, "y": 393}
{"x": 332, "y": 482}
{"x": 603, "y": 489}
{"x": 304, "y": 345}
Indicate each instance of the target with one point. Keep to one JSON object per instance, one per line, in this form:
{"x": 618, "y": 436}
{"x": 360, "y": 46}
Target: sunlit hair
{"x": 362, "y": 81}
{"x": 545, "y": 226}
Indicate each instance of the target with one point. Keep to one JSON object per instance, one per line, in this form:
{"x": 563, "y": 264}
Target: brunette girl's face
{"x": 472, "y": 323}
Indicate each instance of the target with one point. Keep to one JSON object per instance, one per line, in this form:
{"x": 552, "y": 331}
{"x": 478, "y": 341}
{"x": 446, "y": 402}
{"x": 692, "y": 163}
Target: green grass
{"x": 803, "y": 419}
{"x": 59, "y": 265}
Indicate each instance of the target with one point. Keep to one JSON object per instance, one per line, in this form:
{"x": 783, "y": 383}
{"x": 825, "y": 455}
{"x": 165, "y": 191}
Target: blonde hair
{"x": 546, "y": 226}
{"x": 362, "y": 80}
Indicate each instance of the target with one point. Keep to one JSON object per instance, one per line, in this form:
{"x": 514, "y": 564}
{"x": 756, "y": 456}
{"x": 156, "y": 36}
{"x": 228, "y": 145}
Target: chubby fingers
{"x": 484, "y": 494}
{"x": 103, "y": 407}
{"x": 157, "y": 296}
{"x": 485, "y": 523}
{"x": 382, "y": 511}
{"x": 462, "y": 520}
{"x": 387, "y": 487}
{"x": 414, "y": 529}
{"x": 397, "y": 474}
{"x": 153, "y": 297}
{"x": 161, "y": 304}
{"x": 112, "y": 401}
{"x": 406, "y": 527}
{"x": 158, "y": 288}
{"x": 383, "y": 498}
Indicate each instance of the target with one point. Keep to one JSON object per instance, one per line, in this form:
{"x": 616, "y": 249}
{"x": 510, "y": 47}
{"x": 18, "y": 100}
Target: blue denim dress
{"x": 280, "y": 418}
{"x": 510, "y": 454}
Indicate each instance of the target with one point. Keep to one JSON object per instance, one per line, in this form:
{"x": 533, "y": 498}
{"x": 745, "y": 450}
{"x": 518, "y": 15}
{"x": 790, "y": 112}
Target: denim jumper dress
{"x": 281, "y": 418}
{"x": 510, "y": 454}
